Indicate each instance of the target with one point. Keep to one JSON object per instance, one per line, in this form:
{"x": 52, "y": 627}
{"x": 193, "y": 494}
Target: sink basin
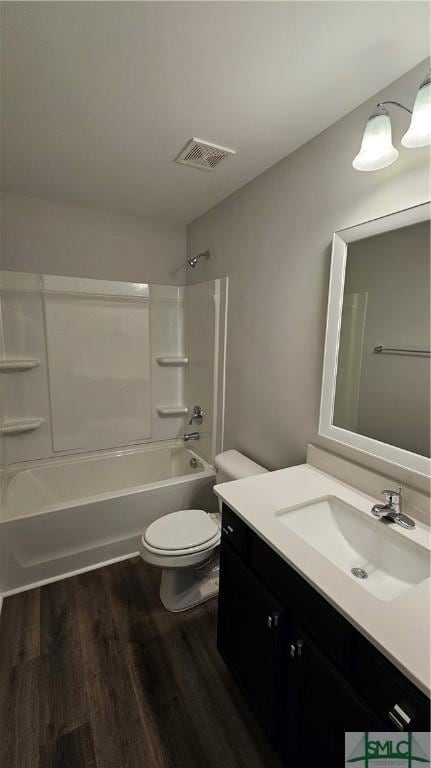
{"x": 387, "y": 564}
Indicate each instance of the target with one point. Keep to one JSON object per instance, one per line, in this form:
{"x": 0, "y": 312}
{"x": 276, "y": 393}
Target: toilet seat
{"x": 181, "y": 533}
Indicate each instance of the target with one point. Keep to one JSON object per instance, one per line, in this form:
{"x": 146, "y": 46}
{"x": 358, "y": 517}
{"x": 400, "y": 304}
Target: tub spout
{"x": 191, "y": 436}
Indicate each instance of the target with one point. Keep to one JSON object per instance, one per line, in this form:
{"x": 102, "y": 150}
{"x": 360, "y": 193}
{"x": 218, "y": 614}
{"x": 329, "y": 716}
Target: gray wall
{"x": 273, "y": 239}
{"x": 62, "y": 239}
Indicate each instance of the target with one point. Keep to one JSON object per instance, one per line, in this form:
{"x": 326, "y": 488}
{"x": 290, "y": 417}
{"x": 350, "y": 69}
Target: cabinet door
{"x": 250, "y": 630}
{"x": 400, "y": 704}
{"x": 320, "y": 707}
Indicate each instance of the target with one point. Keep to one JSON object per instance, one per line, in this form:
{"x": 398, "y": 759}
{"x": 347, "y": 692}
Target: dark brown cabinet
{"x": 251, "y": 623}
{"x": 308, "y": 673}
{"x": 319, "y": 707}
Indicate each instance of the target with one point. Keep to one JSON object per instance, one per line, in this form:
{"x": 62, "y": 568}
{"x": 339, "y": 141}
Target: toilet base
{"x": 183, "y": 588}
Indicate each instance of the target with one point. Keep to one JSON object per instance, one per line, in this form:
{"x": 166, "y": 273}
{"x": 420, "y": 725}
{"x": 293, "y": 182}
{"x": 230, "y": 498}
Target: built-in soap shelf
{"x": 17, "y": 426}
{"x": 172, "y": 360}
{"x": 18, "y": 363}
{"x": 172, "y": 410}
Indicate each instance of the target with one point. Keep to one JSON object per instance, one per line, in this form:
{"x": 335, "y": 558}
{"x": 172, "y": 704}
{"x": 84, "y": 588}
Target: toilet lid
{"x": 181, "y": 530}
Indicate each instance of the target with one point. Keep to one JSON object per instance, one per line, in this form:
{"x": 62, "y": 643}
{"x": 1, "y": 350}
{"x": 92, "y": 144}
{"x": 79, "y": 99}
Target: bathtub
{"x": 67, "y": 515}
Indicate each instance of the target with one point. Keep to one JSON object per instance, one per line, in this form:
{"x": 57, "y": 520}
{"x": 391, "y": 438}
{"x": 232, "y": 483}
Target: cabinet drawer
{"x": 235, "y": 531}
{"x": 331, "y": 632}
{"x": 388, "y": 692}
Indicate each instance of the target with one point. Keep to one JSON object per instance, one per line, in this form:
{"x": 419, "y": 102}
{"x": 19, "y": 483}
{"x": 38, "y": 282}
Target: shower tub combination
{"x": 73, "y": 514}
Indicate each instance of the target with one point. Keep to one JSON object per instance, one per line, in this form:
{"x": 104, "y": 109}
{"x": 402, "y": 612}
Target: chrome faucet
{"x": 197, "y": 415}
{"x": 390, "y": 511}
{"x": 191, "y": 436}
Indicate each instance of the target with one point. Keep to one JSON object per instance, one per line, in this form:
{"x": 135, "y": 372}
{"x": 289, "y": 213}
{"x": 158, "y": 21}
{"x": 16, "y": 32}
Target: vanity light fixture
{"x": 377, "y": 150}
{"x": 419, "y": 133}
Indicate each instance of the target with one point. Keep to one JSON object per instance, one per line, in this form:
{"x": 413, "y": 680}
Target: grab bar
{"x": 403, "y": 350}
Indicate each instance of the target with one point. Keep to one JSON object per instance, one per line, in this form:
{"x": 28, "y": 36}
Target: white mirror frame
{"x": 406, "y": 459}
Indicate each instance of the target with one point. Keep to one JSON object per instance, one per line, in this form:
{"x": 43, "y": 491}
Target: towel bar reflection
{"x": 403, "y": 351}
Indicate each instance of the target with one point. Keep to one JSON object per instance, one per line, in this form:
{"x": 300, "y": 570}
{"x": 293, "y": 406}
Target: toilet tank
{"x": 233, "y": 465}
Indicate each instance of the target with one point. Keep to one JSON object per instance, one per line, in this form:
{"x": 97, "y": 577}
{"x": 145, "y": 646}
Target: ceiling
{"x": 99, "y": 98}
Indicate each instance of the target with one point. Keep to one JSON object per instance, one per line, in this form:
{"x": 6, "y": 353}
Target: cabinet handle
{"x": 296, "y": 648}
{"x": 272, "y": 620}
{"x": 400, "y": 718}
{"x": 227, "y": 529}
{"x": 395, "y": 720}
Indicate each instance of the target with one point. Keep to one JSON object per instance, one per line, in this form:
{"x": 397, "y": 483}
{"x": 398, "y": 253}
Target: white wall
{"x": 273, "y": 239}
{"x": 62, "y": 239}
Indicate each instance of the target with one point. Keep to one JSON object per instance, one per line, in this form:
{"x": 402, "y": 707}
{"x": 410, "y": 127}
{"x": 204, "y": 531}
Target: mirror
{"x": 383, "y": 373}
{"x": 376, "y": 382}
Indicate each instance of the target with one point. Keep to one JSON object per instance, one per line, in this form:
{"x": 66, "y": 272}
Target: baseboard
{"x": 68, "y": 575}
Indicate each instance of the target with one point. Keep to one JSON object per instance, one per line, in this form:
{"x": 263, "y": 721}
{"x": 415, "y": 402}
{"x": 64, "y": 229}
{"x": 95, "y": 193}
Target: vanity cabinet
{"x": 251, "y": 625}
{"x": 307, "y": 672}
{"x": 319, "y": 706}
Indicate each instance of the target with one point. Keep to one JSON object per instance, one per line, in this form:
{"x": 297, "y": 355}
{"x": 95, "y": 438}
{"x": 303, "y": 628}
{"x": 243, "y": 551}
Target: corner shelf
{"x": 172, "y": 410}
{"x": 19, "y": 363}
{"x": 17, "y": 426}
{"x": 172, "y": 360}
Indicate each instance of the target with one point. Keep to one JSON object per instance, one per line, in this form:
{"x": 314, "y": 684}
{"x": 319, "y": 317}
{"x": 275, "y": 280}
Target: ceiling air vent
{"x": 203, "y": 155}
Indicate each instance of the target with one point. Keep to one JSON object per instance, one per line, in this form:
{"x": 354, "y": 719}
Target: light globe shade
{"x": 377, "y": 150}
{"x": 419, "y": 133}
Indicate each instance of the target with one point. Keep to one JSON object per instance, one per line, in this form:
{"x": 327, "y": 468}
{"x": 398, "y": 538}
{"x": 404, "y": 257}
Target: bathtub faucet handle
{"x": 197, "y": 415}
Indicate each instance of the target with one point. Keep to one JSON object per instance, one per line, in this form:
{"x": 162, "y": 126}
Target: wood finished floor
{"x": 94, "y": 673}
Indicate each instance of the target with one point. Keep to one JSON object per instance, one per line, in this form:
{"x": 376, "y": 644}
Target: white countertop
{"x": 400, "y": 628}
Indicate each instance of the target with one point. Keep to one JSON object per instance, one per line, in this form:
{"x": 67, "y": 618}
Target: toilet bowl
{"x": 184, "y": 544}
{"x": 181, "y": 544}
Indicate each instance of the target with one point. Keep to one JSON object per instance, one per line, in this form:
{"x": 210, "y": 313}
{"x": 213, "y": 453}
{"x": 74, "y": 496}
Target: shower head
{"x": 193, "y": 260}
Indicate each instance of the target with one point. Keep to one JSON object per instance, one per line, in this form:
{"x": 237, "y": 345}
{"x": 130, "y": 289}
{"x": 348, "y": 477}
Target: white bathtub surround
{"x": 205, "y": 318}
{"x": 167, "y": 340}
{"x": 398, "y": 624}
{"x": 173, "y": 360}
{"x": 25, "y": 392}
{"x": 69, "y": 514}
{"x": 18, "y": 364}
{"x": 172, "y": 410}
{"x": 199, "y": 317}
{"x": 100, "y": 390}
{"x": 95, "y": 340}
{"x": 19, "y": 426}
{"x": 111, "y": 363}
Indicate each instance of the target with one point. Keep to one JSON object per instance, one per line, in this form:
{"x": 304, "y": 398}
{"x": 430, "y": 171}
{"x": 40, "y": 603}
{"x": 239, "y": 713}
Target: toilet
{"x": 184, "y": 544}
